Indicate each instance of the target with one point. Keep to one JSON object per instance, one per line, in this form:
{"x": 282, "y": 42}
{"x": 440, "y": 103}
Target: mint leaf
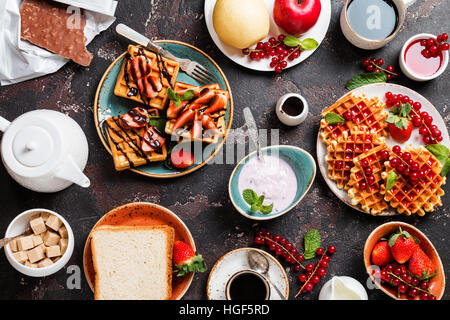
{"x": 187, "y": 95}
{"x": 158, "y": 122}
{"x": 362, "y": 79}
{"x": 445, "y": 168}
{"x": 254, "y": 207}
{"x": 309, "y": 44}
{"x": 249, "y": 196}
{"x": 391, "y": 180}
{"x": 291, "y": 41}
{"x": 260, "y": 201}
{"x": 172, "y": 94}
{"x": 438, "y": 149}
{"x": 266, "y": 209}
{"x": 312, "y": 243}
{"x": 333, "y": 118}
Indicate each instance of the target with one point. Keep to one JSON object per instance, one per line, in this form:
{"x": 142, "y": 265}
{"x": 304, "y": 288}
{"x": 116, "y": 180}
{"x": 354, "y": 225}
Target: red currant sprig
{"x": 406, "y": 166}
{"x": 376, "y": 65}
{"x": 315, "y": 273}
{"x": 281, "y": 247}
{"x": 397, "y": 276}
{"x": 275, "y": 48}
{"x": 433, "y": 48}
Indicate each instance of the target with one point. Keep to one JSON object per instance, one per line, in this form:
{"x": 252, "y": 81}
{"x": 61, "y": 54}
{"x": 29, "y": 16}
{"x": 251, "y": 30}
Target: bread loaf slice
{"x": 133, "y": 262}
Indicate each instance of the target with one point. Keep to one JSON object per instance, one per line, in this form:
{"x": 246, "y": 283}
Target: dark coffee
{"x": 373, "y": 19}
{"x": 293, "y": 106}
{"x": 247, "y": 286}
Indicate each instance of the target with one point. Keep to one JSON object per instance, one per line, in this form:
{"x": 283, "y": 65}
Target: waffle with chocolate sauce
{"x": 218, "y": 118}
{"x": 126, "y": 144}
{"x": 164, "y": 69}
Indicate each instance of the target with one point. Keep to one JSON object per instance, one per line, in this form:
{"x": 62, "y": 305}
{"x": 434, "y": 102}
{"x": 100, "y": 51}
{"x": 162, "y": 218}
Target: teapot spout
{"x": 71, "y": 172}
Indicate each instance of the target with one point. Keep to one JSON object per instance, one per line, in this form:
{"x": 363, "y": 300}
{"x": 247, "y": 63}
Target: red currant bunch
{"x": 433, "y": 48}
{"x": 406, "y": 166}
{"x": 376, "y": 65}
{"x": 397, "y": 276}
{"x": 368, "y": 172}
{"x": 276, "y": 50}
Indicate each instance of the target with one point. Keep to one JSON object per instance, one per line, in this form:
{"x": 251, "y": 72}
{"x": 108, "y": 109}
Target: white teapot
{"x": 44, "y": 150}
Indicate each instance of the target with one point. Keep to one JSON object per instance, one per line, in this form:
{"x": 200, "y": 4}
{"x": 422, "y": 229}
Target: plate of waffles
{"x": 149, "y": 114}
{"x": 359, "y": 159}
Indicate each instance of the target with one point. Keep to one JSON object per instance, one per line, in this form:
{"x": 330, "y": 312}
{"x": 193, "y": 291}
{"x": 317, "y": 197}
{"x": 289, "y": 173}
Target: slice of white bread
{"x": 133, "y": 262}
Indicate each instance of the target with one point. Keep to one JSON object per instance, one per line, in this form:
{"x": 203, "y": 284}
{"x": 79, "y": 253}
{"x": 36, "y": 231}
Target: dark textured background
{"x": 201, "y": 199}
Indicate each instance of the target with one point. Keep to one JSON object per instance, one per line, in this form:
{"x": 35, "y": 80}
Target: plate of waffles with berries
{"x": 156, "y": 120}
{"x": 383, "y": 149}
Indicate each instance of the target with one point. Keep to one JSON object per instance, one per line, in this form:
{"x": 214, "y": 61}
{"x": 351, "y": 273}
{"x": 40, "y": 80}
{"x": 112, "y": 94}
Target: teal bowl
{"x": 301, "y": 162}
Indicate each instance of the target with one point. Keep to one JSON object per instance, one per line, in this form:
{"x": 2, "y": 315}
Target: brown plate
{"x": 142, "y": 214}
{"x": 437, "y": 283}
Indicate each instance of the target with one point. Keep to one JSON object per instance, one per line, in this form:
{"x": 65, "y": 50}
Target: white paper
{"x": 21, "y": 60}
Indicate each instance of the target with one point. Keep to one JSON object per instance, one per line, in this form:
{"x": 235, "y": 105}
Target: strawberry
{"x": 402, "y": 246}
{"x": 185, "y": 259}
{"x": 420, "y": 265}
{"x": 381, "y": 254}
{"x": 399, "y": 122}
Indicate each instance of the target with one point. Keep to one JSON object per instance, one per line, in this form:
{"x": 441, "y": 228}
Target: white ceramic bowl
{"x": 291, "y": 120}
{"x": 414, "y": 76}
{"x": 18, "y": 226}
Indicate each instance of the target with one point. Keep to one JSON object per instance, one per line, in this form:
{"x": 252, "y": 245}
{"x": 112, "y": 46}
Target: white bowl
{"x": 291, "y": 120}
{"x": 412, "y": 75}
{"x": 18, "y": 226}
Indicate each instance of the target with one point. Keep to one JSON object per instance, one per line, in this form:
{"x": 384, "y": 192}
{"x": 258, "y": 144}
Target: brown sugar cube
{"x": 13, "y": 245}
{"x": 35, "y": 255}
{"x": 53, "y": 251}
{"x": 63, "y": 243}
{"x": 56, "y": 259}
{"x": 45, "y": 215}
{"x": 53, "y": 222}
{"x": 63, "y": 232}
{"x": 38, "y": 225}
{"x": 51, "y": 238}
{"x": 20, "y": 256}
{"x": 25, "y": 243}
{"x": 37, "y": 240}
{"x": 30, "y": 265}
{"x": 45, "y": 263}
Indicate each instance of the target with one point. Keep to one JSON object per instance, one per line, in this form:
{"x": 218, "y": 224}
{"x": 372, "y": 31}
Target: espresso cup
{"x": 369, "y": 44}
{"x": 261, "y": 290}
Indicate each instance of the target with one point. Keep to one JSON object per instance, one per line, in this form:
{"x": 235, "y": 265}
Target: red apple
{"x": 296, "y": 16}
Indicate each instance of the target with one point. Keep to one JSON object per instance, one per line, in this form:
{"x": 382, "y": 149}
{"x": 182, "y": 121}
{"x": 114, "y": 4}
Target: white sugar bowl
{"x": 44, "y": 151}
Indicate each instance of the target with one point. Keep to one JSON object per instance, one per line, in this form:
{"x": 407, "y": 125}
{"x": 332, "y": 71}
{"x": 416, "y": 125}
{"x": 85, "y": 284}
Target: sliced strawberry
{"x": 153, "y": 140}
{"x": 135, "y": 118}
{"x": 185, "y": 259}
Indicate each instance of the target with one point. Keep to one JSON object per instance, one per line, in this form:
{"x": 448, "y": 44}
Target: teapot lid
{"x": 31, "y": 146}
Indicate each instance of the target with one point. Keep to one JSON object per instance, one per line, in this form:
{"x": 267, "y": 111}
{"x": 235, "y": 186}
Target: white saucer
{"x": 235, "y": 261}
{"x": 318, "y": 32}
{"x": 379, "y": 90}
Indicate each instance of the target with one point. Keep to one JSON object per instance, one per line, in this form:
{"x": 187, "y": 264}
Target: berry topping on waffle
{"x": 413, "y": 181}
{"x": 348, "y": 146}
{"x": 353, "y": 112}
{"x": 366, "y": 180}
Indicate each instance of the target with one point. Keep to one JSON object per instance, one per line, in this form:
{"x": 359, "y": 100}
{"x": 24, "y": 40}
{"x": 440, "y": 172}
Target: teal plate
{"x": 109, "y": 105}
{"x": 300, "y": 161}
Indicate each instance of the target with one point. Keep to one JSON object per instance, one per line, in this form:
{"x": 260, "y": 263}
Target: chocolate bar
{"x": 53, "y": 27}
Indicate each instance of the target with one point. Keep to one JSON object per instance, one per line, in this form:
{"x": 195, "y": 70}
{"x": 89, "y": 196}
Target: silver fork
{"x": 192, "y": 68}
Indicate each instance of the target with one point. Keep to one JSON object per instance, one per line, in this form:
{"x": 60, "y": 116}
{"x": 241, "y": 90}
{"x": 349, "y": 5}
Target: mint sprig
{"x": 256, "y": 202}
{"x": 312, "y": 243}
{"x": 187, "y": 95}
{"x": 305, "y": 45}
{"x": 400, "y": 116}
{"x": 442, "y": 153}
{"x": 391, "y": 180}
{"x": 333, "y": 118}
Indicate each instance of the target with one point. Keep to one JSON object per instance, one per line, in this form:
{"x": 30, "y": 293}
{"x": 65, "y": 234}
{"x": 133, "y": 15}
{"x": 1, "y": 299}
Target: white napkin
{"x": 21, "y": 60}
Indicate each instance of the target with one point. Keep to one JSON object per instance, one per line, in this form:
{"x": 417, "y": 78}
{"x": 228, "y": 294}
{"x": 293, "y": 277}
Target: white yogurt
{"x": 272, "y": 177}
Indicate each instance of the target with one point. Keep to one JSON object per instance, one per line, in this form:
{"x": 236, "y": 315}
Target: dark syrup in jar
{"x": 293, "y": 106}
{"x": 247, "y": 286}
{"x": 373, "y": 19}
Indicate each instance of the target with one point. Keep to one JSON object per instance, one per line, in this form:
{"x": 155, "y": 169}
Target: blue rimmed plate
{"x": 301, "y": 162}
{"x": 107, "y": 105}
